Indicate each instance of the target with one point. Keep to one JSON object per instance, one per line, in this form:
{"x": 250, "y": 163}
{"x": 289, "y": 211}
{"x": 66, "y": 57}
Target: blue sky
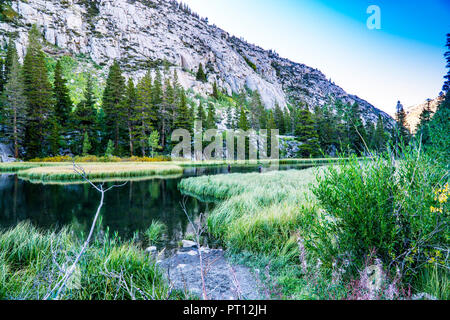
{"x": 401, "y": 61}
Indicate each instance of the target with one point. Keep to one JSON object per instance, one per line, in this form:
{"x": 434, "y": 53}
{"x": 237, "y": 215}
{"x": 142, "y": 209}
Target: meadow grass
{"x": 258, "y": 212}
{"x": 29, "y": 258}
{"x": 96, "y": 171}
{"x": 258, "y": 219}
{"x": 13, "y": 167}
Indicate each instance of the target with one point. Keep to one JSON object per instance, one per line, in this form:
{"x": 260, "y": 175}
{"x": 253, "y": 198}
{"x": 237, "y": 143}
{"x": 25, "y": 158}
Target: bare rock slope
{"x": 413, "y": 112}
{"x": 139, "y": 32}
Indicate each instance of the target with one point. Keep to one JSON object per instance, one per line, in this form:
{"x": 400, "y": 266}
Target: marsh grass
{"x": 13, "y": 167}
{"x": 28, "y": 260}
{"x": 99, "y": 171}
{"x": 259, "y": 212}
{"x": 257, "y": 219}
{"x": 434, "y": 281}
{"x": 155, "y": 232}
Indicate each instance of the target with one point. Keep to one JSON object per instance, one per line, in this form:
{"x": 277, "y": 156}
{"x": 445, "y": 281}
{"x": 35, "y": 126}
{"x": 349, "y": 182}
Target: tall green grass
{"x": 258, "y": 212}
{"x": 155, "y": 232}
{"x": 29, "y": 258}
{"x": 258, "y": 219}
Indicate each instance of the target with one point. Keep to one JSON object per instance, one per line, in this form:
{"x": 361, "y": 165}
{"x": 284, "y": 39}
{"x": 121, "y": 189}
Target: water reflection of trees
{"x": 126, "y": 210}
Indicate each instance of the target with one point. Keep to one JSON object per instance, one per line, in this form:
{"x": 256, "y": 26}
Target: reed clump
{"x": 32, "y": 261}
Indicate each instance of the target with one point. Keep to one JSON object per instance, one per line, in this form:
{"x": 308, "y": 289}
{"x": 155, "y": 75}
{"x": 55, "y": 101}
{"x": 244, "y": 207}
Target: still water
{"x": 126, "y": 210}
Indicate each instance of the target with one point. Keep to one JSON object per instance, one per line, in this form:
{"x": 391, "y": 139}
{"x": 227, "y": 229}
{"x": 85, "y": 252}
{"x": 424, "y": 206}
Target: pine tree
{"x": 63, "y": 104}
{"x": 357, "y": 135}
{"x": 211, "y": 118}
{"x": 402, "y": 129}
{"x": 215, "y": 92}
{"x": 256, "y": 110}
{"x": 153, "y": 142}
{"x": 184, "y": 117}
{"x": 263, "y": 118}
{"x": 370, "y": 131}
{"x": 176, "y": 97}
{"x": 423, "y": 129}
{"x": 146, "y": 113}
{"x": 271, "y": 125}
{"x": 85, "y": 114}
{"x": 11, "y": 53}
{"x": 86, "y": 144}
{"x": 243, "y": 120}
{"x": 40, "y": 127}
{"x": 306, "y": 134}
{"x": 380, "y": 135}
{"x": 15, "y": 109}
{"x": 168, "y": 110}
{"x": 439, "y": 145}
{"x": 2, "y": 75}
{"x": 201, "y": 76}
{"x": 279, "y": 119}
{"x": 229, "y": 123}
{"x": 446, "y": 86}
{"x": 130, "y": 105}
{"x": 157, "y": 90}
{"x": 201, "y": 114}
{"x": 113, "y": 104}
{"x": 109, "y": 149}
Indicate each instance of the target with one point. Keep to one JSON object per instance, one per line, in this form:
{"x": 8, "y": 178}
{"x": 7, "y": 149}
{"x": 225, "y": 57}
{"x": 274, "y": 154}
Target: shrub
{"x": 395, "y": 207}
{"x": 52, "y": 159}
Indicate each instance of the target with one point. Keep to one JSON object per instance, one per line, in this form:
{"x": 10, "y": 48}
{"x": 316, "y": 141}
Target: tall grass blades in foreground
{"x": 109, "y": 269}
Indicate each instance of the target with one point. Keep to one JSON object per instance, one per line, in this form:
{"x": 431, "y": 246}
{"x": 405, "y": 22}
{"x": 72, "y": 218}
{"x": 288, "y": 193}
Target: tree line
{"x": 40, "y": 120}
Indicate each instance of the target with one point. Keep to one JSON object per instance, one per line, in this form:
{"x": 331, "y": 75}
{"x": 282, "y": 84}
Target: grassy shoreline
{"x": 61, "y": 172}
{"x": 257, "y": 212}
{"x": 99, "y": 171}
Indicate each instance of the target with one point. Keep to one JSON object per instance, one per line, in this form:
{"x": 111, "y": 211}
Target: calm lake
{"x": 126, "y": 210}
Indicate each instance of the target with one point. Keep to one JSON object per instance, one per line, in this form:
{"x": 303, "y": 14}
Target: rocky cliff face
{"x": 413, "y": 112}
{"x": 139, "y": 32}
{"x": 6, "y": 153}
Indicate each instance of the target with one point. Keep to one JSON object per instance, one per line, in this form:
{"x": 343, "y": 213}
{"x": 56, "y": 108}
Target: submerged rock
{"x": 151, "y": 249}
{"x": 189, "y": 244}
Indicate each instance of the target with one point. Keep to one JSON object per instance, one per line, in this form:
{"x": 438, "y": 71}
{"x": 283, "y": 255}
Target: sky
{"x": 401, "y": 61}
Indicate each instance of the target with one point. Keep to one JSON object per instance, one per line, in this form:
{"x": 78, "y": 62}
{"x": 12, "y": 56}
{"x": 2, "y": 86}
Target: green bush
{"x": 391, "y": 206}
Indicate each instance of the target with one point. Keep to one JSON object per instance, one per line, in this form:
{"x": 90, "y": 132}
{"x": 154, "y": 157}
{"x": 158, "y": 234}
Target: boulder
{"x": 189, "y": 244}
{"x": 6, "y": 153}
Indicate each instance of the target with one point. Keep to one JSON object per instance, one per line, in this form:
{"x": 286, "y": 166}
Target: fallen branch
{"x": 59, "y": 287}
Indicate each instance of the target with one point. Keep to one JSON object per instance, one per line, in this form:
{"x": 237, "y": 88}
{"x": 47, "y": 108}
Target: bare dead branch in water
{"x": 59, "y": 287}
{"x": 198, "y": 230}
